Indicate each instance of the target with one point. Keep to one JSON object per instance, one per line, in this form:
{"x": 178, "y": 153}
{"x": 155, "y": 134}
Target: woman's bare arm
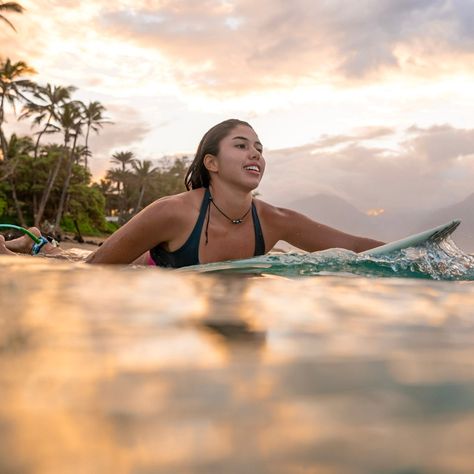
{"x": 153, "y": 225}
{"x": 306, "y": 234}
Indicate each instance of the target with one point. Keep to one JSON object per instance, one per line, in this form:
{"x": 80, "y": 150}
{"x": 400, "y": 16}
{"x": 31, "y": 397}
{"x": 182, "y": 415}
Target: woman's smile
{"x": 253, "y": 169}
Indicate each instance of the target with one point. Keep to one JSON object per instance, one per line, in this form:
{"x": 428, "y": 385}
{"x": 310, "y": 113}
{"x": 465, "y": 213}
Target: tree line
{"x": 49, "y": 184}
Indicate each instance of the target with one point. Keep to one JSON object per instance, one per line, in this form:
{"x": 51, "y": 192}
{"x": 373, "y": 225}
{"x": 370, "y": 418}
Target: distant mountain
{"x": 337, "y": 212}
{"x": 464, "y": 211}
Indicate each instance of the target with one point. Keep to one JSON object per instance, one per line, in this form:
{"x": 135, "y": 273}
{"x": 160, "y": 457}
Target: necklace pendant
{"x": 236, "y": 221}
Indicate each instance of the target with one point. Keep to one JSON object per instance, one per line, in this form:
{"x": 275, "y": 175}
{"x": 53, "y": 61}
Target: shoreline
{"x": 90, "y": 242}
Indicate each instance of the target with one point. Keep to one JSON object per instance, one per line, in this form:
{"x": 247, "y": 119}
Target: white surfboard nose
{"x": 432, "y": 235}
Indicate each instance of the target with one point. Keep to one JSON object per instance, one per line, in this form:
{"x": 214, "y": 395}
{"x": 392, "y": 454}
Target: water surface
{"x": 142, "y": 370}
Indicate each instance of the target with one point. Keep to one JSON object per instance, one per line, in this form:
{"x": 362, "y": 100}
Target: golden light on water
{"x": 164, "y": 371}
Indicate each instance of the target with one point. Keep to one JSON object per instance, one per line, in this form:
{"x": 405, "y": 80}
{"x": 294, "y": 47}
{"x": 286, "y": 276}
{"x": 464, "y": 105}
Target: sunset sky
{"x": 372, "y": 101}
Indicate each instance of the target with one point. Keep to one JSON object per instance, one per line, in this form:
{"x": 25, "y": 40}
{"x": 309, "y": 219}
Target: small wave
{"x": 433, "y": 260}
{"x": 436, "y": 260}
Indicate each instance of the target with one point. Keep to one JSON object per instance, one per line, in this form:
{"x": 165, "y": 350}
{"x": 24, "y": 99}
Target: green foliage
{"x": 171, "y": 179}
{"x": 122, "y": 192}
{"x": 123, "y": 187}
{"x": 111, "y": 227}
{"x": 33, "y": 174}
{"x": 3, "y": 203}
{"x": 85, "y": 207}
{"x": 85, "y": 204}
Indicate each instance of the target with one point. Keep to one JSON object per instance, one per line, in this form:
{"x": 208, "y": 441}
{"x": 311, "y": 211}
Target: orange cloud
{"x": 428, "y": 167}
{"x": 248, "y": 46}
{"x": 225, "y": 48}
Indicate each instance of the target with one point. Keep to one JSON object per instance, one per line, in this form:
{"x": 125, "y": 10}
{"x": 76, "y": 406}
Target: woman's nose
{"x": 256, "y": 153}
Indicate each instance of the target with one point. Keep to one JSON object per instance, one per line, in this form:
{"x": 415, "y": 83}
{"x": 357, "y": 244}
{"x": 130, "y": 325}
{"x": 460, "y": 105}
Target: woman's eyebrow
{"x": 246, "y": 139}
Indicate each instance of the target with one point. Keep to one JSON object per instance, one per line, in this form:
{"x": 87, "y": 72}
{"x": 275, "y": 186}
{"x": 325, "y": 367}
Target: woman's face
{"x": 240, "y": 159}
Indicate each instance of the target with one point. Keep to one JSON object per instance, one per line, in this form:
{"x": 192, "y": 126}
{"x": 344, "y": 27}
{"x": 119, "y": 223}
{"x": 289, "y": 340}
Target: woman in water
{"x": 217, "y": 219}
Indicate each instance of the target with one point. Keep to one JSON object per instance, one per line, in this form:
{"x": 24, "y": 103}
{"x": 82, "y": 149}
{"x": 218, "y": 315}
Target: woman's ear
{"x": 210, "y": 162}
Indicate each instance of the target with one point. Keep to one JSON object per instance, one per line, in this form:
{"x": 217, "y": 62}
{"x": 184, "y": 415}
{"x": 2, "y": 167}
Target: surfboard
{"x": 260, "y": 264}
{"x": 432, "y": 235}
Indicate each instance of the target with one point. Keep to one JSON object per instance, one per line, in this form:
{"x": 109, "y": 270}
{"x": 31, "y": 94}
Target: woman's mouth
{"x": 254, "y": 169}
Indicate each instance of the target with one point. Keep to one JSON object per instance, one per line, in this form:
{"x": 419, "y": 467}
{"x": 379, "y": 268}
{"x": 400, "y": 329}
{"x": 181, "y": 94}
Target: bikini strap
{"x": 259, "y": 240}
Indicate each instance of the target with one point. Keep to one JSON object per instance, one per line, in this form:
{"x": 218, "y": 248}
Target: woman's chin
{"x": 252, "y": 186}
{"x": 248, "y": 185}
{"x": 253, "y": 181}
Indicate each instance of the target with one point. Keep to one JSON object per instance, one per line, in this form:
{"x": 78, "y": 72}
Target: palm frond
{"x": 8, "y": 22}
{"x": 11, "y": 7}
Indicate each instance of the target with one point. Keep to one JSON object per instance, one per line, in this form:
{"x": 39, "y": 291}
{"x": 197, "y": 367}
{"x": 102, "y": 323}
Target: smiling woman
{"x": 217, "y": 219}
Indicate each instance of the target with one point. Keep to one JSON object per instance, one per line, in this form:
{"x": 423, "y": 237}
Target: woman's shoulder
{"x": 272, "y": 212}
{"x": 168, "y": 214}
{"x": 178, "y": 204}
{"x": 276, "y": 221}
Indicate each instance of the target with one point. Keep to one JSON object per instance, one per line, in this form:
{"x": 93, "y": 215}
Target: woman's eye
{"x": 240, "y": 145}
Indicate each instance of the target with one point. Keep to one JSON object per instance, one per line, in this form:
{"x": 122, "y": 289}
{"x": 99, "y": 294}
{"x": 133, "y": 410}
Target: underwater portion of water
{"x": 142, "y": 370}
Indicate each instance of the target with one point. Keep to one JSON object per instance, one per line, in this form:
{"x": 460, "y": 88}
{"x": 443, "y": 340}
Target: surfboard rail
{"x": 254, "y": 265}
{"x": 435, "y": 234}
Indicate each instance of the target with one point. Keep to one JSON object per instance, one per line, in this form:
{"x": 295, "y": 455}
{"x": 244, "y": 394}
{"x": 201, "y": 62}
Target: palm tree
{"x": 82, "y": 153}
{"x": 69, "y": 119}
{"x": 116, "y": 176}
{"x": 105, "y": 186}
{"x": 12, "y": 90}
{"x": 71, "y": 122}
{"x": 144, "y": 172}
{"x": 17, "y": 147}
{"x": 124, "y": 158}
{"x": 10, "y": 7}
{"x": 52, "y": 97}
{"x": 94, "y": 120}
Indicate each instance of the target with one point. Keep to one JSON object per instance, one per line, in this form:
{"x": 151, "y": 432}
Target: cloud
{"x": 224, "y": 48}
{"x": 366, "y": 133}
{"x": 241, "y": 46}
{"x": 125, "y": 133}
{"x": 38, "y": 33}
{"x": 428, "y": 167}
{"x": 441, "y": 145}
{"x": 13, "y": 125}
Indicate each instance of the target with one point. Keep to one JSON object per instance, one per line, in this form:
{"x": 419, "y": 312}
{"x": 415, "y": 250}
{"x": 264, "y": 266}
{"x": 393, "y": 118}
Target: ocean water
{"x": 434, "y": 260}
{"x": 326, "y": 363}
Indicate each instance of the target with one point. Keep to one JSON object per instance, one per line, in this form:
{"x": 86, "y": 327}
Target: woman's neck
{"x": 234, "y": 202}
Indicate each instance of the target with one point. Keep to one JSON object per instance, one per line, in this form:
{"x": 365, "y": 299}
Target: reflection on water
{"x": 148, "y": 371}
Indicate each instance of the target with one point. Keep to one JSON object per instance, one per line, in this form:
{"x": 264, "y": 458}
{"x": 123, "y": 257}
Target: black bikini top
{"x": 188, "y": 254}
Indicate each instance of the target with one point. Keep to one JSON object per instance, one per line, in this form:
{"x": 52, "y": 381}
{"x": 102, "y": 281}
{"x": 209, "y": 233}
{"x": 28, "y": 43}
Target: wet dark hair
{"x": 197, "y": 175}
